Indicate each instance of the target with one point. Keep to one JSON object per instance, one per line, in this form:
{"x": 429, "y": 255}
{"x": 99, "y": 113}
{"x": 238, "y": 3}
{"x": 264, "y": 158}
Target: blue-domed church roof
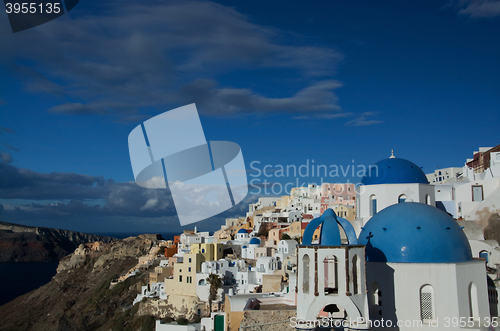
{"x": 329, "y": 233}
{"x": 242, "y": 231}
{"x": 254, "y": 241}
{"x": 414, "y": 232}
{"x": 394, "y": 171}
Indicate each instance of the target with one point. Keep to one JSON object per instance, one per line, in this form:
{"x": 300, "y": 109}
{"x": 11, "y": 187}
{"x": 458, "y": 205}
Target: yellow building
{"x": 248, "y": 223}
{"x": 315, "y": 234}
{"x": 294, "y": 230}
{"x": 222, "y": 235}
{"x": 183, "y": 281}
{"x": 345, "y": 211}
{"x": 206, "y": 252}
{"x": 184, "y": 278}
{"x": 283, "y": 202}
{"x": 160, "y": 274}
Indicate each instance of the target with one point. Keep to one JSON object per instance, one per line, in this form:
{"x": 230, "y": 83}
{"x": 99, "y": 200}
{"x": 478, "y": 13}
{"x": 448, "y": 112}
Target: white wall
{"x": 400, "y": 284}
{"x": 388, "y": 194}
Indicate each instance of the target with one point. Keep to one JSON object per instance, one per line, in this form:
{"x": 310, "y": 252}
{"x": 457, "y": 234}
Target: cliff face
{"x": 80, "y": 296}
{"x": 20, "y": 243}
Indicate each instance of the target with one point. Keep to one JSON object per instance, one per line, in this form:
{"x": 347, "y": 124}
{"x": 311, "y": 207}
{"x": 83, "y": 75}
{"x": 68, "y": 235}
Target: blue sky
{"x": 336, "y": 82}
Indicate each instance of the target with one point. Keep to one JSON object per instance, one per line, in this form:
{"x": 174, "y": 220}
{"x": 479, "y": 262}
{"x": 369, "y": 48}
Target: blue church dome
{"x": 244, "y": 246}
{"x": 243, "y": 231}
{"x": 329, "y": 232}
{"x": 412, "y": 232}
{"x": 254, "y": 241}
{"x": 394, "y": 171}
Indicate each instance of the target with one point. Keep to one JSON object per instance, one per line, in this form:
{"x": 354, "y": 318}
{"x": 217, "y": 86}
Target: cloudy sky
{"x": 330, "y": 82}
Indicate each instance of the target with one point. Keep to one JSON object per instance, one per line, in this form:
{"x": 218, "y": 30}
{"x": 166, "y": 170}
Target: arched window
{"x": 401, "y": 198}
{"x": 428, "y": 199}
{"x": 305, "y": 273}
{"x": 331, "y": 274}
{"x": 473, "y": 304}
{"x": 355, "y": 274}
{"x": 202, "y": 282}
{"x": 427, "y": 306}
{"x": 373, "y": 204}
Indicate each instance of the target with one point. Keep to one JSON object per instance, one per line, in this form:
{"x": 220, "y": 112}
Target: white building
{"x": 261, "y": 203}
{"x": 388, "y": 182}
{"x": 474, "y": 196}
{"x": 446, "y": 175}
{"x": 420, "y": 268}
{"x": 331, "y": 277}
{"x": 249, "y": 278}
{"x": 248, "y": 251}
{"x": 188, "y": 238}
{"x": 153, "y": 290}
{"x": 227, "y": 271}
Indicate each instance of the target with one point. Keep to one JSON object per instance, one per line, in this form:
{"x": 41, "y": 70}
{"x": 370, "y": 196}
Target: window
{"x": 427, "y": 303}
{"x": 305, "y": 273}
{"x": 401, "y": 198}
{"x": 180, "y": 278}
{"x": 373, "y": 204}
{"x": 189, "y": 262}
{"x": 203, "y": 250}
{"x": 355, "y": 271}
{"x": 330, "y": 267}
{"x": 473, "y": 304}
{"x": 189, "y": 269}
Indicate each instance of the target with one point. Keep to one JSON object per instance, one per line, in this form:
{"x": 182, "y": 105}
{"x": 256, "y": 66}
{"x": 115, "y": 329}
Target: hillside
{"x": 79, "y": 297}
{"x": 21, "y": 243}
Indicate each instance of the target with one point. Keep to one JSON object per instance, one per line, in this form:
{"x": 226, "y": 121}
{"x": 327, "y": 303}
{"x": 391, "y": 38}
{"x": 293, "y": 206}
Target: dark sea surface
{"x": 20, "y": 278}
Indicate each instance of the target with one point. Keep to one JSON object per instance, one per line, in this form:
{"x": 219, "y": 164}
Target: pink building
{"x": 332, "y": 194}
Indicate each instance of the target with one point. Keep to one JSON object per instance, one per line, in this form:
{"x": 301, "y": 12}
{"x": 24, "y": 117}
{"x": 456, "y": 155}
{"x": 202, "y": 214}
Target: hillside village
{"x": 267, "y": 261}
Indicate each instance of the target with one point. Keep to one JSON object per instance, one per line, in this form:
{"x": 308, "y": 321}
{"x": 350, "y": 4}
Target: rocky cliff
{"x": 20, "y": 243}
{"x": 82, "y": 295}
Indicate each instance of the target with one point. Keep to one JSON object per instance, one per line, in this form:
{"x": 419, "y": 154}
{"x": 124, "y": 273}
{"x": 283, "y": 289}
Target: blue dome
{"x": 412, "y": 232}
{"x": 244, "y": 246}
{"x": 243, "y": 231}
{"x": 329, "y": 232}
{"x": 254, "y": 241}
{"x": 394, "y": 171}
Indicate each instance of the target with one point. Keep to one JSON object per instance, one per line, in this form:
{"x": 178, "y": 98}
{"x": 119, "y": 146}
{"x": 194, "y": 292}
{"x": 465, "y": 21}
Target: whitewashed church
{"x": 406, "y": 265}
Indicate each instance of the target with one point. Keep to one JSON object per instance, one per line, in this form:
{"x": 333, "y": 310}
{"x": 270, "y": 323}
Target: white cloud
{"x": 477, "y": 8}
{"x": 132, "y": 56}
